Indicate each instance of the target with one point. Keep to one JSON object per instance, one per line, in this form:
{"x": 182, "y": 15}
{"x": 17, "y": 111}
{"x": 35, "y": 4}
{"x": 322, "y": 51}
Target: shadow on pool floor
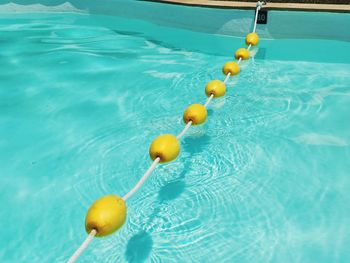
{"x": 140, "y": 245}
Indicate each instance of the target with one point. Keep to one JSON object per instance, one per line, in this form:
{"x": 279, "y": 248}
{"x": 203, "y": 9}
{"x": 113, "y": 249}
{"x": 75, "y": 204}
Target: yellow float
{"x": 252, "y": 39}
{"x": 166, "y": 147}
{"x": 106, "y": 215}
{"x": 217, "y": 88}
{"x": 231, "y": 67}
{"x": 196, "y": 113}
{"x": 242, "y": 53}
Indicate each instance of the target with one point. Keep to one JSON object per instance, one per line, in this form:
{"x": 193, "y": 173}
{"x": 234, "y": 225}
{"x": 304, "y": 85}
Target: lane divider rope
{"x": 108, "y": 213}
{"x": 83, "y": 246}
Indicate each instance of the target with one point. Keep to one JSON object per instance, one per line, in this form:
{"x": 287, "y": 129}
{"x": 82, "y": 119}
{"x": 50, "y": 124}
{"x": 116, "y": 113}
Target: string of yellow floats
{"x": 108, "y": 214}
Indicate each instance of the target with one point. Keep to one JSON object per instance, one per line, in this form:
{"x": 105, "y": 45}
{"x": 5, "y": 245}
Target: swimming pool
{"x": 81, "y": 98}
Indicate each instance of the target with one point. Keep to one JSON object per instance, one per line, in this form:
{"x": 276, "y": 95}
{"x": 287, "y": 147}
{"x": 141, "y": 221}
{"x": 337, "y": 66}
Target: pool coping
{"x": 250, "y": 5}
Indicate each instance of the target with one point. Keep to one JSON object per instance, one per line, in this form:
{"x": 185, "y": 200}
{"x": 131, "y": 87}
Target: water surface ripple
{"x": 266, "y": 179}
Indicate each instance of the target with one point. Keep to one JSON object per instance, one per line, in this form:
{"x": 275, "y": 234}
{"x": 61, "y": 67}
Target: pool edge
{"x": 336, "y": 8}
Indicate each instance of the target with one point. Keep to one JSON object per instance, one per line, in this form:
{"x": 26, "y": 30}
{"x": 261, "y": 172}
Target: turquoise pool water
{"x": 266, "y": 179}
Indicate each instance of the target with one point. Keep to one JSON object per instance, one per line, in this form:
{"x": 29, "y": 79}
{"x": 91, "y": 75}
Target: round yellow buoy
{"x": 196, "y": 113}
{"x": 242, "y": 53}
{"x": 106, "y": 215}
{"x": 216, "y": 88}
{"x": 252, "y": 39}
{"x": 166, "y": 147}
{"x": 231, "y": 67}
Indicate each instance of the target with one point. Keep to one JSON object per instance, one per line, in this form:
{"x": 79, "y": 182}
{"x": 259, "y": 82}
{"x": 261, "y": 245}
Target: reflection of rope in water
{"x": 164, "y": 149}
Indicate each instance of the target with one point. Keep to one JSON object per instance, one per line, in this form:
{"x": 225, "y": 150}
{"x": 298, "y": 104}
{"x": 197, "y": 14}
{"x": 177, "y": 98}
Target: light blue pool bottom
{"x": 264, "y": 180}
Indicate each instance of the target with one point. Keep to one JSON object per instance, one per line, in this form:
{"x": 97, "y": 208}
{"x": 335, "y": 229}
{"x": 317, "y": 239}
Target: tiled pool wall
{"x": 281, "y": 24}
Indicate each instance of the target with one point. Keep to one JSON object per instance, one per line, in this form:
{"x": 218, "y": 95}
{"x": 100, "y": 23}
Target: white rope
{"x": 250, "y": 45}
{"x": 239, "y": 60}
{"x": 227, "y": 77}
{"x": 208, "y": 100}
{"x": 183, "y": 132}
{"x": 258, "y": 7}
{"x": 143, "y": 179}
{"x": 83, "y": 246}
